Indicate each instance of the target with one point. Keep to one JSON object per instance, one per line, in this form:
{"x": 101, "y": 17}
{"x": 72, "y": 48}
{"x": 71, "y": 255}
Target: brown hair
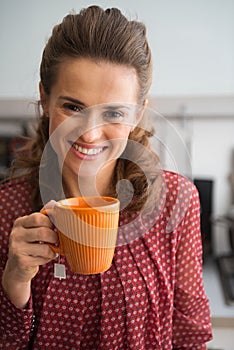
{"x": 101, "y": 35}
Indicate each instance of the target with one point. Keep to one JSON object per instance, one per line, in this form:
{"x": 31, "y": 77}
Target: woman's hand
{"x": 27, "y": 251}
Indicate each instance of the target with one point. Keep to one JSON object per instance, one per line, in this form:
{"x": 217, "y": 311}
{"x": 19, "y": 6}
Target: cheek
{"x": 54, "y": 123}
{"x": 52, "y": 128}
{"x": 119, "y": 132}
{"x": 118, "y": 139}
{"x": 57, "y": 136}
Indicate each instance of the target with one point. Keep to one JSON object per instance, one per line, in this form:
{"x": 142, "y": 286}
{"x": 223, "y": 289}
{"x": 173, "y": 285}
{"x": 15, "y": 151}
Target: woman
{"x": 97, "y": 66}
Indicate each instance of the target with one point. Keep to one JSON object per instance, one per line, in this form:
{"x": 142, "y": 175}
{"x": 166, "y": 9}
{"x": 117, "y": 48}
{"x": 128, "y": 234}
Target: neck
{"x": 97, "y": 185}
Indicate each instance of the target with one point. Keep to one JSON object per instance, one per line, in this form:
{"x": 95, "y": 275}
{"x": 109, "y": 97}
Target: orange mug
{"x": 87, "y": 229}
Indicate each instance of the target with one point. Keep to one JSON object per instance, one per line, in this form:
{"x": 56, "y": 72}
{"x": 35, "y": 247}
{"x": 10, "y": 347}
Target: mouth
{"x": 90, "y": 151}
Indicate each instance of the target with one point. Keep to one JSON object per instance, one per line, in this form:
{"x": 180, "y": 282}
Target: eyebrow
{"x": 109, "y": 106}
{"x": 73, "y": 100}
{"x": 116, "y": 106}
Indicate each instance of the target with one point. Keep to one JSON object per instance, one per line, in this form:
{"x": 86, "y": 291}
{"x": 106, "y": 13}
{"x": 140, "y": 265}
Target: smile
{"x": 87, "y": 151}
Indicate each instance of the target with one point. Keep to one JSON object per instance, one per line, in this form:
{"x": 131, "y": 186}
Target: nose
{"x": 91, "y": 127}
{"x": 92, "y": 135}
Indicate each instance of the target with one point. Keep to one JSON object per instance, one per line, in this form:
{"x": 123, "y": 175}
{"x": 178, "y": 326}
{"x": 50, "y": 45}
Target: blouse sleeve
{"x": 191, "y": 317}
{"x": 15, "y": 323}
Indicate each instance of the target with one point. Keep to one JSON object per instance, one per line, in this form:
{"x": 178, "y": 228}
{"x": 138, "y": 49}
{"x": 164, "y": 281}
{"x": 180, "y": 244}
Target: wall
{"x": 192, "y": 42}
{"x": 211, "y": 157}
{"x": 193, "y": 49}
{"x": 200, "y": 148}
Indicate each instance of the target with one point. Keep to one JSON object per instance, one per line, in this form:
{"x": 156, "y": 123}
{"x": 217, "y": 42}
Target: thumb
{"x": 48, "y": 208}
{"x": 49, "y": 205}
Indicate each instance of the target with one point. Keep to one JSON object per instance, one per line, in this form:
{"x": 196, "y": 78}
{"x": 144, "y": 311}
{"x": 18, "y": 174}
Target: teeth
{"x": 88, "y": 151}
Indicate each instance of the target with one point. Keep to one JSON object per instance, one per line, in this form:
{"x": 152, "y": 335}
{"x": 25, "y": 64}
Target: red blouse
{"x": 152, "y": 297}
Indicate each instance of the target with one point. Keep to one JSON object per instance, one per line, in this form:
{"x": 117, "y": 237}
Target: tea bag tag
{"x": 59, "y": 271}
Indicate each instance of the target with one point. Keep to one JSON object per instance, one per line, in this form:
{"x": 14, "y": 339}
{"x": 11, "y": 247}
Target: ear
{"x": 145, "y": 104}
{"x": 43, "y": 99}
{"x": 140, "y": 113}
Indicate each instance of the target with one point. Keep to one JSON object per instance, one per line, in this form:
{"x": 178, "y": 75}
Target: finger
{"x": 50, "y": 205}
{"x": 20, "y": 236}
{"x": 34, "y": 220}
{"x": 29, "y": 259}
{"x": 48, "y": 209}
{"x": 36, "y": 251}
{"x": 42, "y": 251}
{"x": 41, "y": 234}
{"x": 28, "y": 262}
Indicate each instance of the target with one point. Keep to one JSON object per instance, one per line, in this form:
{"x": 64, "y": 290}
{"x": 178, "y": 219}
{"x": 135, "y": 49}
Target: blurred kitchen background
{"x": 193, "y": 93}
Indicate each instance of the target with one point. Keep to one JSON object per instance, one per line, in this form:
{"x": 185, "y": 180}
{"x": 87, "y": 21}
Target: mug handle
{"x": 58, "y": 250}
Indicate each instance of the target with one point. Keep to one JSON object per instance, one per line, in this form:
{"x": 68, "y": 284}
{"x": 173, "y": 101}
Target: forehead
{"x": 96, "y": 82}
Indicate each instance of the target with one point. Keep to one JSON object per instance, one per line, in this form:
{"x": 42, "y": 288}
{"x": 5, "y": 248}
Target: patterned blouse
{"x": 152, "y": 297}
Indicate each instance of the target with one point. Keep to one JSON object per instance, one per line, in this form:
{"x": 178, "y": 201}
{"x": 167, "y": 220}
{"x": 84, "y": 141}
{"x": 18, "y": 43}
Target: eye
{"x": 72, "y": 107}
{"x": 113, "y": 115}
